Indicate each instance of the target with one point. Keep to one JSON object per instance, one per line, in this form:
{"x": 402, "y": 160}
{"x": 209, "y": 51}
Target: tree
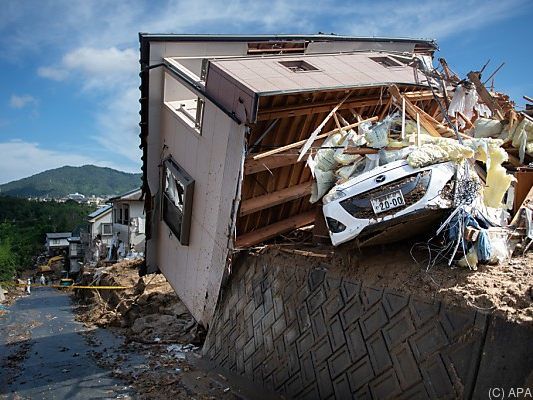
{"x": 7, "y": 261}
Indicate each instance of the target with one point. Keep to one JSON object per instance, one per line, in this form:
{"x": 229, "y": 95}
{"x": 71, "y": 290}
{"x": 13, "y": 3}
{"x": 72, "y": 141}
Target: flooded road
{"x": 43, "y": 354}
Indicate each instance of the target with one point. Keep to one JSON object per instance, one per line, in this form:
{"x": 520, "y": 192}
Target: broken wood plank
{"x": 413, "y": 110}
{"x": 527, "y": 202}
{"x": 302, "y": 142}
{"x": 274, "y": 161}
{"x": 275, "y": 229}
{"x": 467, "y": 121}
{"x": 450, "y": 75}
{"x": 306, "y": 253}
{"x": 486, "y": 97}
{"x": 258, "y": 203}
{"x": 309, "y": 142}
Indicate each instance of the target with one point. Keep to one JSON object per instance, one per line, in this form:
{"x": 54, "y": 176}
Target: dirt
{"x": 160, "y": 354}
{"x": 149, "y": 311}
{"x": 505, "y": 290}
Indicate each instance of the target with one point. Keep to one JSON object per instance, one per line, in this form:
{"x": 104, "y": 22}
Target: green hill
{"x": 88, "y": 180}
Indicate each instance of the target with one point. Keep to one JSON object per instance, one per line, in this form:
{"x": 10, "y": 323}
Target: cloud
{"x": 21, "y": 159}
{"x": 98, "y": 67}
{"x": 22, "y": 101}
{"x": 54, "y": 73}
{"x": 118, "y": 123}
{"x": 430, "y": 19}
{"x": 93, "y": 44}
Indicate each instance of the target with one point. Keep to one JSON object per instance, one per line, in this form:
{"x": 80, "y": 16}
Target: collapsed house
{"x": 360, "y": 141}
{"x": 244, "y": 138}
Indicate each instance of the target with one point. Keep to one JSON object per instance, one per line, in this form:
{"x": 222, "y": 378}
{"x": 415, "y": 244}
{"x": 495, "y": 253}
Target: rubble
{"x": 148, "y": 312}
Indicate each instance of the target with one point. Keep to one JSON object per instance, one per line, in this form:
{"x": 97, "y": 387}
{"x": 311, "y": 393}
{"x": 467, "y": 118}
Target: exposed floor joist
{"x": 314, "y": 108}
{"x": 274, "y": 161}
{"x": 272, "y": 199}
{"x": 275, "y": 229}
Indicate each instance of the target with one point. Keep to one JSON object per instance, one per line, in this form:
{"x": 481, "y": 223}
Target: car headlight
{"x": 332, "y": 196}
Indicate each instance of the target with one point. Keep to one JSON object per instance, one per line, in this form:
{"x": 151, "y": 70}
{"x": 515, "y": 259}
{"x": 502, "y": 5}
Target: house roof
{"x": 58, "y": 235}
{"x": 133, "y": 195}
{"x": 171, "y": 37}
{"x": 272, "y": 75}
{"x": 100, "y": 211}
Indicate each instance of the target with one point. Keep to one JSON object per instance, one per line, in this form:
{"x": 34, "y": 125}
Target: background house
{"x": 129, "y": 220}
{"x": 57, "y": 242}
{"x": 76, "y": 253}
{"x": 101, "y": 223}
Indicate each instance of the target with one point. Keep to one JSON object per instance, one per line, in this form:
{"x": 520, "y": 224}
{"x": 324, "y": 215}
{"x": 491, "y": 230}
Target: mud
{"x": 505, "y": 290}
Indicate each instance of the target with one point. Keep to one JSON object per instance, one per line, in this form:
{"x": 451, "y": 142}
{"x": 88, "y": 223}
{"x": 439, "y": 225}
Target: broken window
{"x": 178, "y": 187}
{"x": 299, "y": 66}
{"x": 277, "y": 47}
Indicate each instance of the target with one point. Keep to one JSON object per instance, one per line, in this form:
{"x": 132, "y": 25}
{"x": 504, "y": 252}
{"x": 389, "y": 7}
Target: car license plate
{"x": 387, "y": 202}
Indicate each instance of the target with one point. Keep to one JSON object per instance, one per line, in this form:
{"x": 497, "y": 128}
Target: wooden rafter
{"x": 325, "y": 106}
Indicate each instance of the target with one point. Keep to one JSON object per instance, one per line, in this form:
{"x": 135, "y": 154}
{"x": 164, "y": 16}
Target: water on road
{"x": 43, "y": 354}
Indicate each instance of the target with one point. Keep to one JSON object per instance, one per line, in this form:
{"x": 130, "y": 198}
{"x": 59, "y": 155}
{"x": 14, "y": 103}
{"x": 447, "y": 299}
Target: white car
{"x": 388, "y": 196}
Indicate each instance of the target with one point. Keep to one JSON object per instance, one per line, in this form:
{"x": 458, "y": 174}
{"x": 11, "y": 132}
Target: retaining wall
{"x": 306, "y": 332}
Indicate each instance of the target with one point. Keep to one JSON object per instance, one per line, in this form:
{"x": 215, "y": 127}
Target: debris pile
{"x": 466, "y": 154}
{"x": 148, "y": 312}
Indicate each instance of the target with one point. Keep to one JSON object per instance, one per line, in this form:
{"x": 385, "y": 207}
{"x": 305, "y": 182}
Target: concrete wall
{"x": 310, "y": 333}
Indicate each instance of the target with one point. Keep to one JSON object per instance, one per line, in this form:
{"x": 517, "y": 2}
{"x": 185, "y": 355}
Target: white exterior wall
{"x": 213, "y": 159}
{"x": 96, "y": 225}
{"x": 136, "y": 209}
{"x": 57, "y": 243}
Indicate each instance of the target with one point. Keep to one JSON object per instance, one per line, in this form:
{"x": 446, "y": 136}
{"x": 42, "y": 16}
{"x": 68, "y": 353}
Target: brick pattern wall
{"x": 308, "y": 333}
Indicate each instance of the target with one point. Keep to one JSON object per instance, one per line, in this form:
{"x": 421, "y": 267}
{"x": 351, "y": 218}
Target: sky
{"x": 69, "y": 68}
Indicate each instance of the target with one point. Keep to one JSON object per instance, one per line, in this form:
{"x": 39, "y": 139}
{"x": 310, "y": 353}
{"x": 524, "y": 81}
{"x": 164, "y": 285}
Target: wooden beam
{"x": 300, "y": 143}
{"x": 275, "y": 229}
{"x": 274, "y": 161}
{"x": 413, "y": 110}
{"x": 468, "y": 123}
{"x": 491, "y": 103}
{"x": 315, "y": 108}
{"x": 258, "y": 203}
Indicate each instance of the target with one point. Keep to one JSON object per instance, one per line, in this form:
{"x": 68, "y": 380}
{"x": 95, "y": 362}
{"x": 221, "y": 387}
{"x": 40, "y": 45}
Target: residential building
{"x": 101, "y": 223}
{"x": 57, "y": 242}
{"x": 129, "y": 220}
{"x": 76, "y": 253}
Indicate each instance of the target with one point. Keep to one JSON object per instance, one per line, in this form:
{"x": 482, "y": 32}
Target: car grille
{"x": 413, "y": 188}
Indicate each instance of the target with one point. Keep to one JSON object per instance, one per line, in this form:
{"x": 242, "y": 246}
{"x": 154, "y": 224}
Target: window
{"x": 386, "y": 61}
{"x": 299, "y": 66}
{"x": 122, "y": 214}
{"x": 178, "y": 188}
{"x": 126, "y": 210}
{"x": 107, "y": 229}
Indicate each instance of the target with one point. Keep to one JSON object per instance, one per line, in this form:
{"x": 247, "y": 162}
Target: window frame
{"x": 107, "y": 225}
{"x": 169, "y": 209}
